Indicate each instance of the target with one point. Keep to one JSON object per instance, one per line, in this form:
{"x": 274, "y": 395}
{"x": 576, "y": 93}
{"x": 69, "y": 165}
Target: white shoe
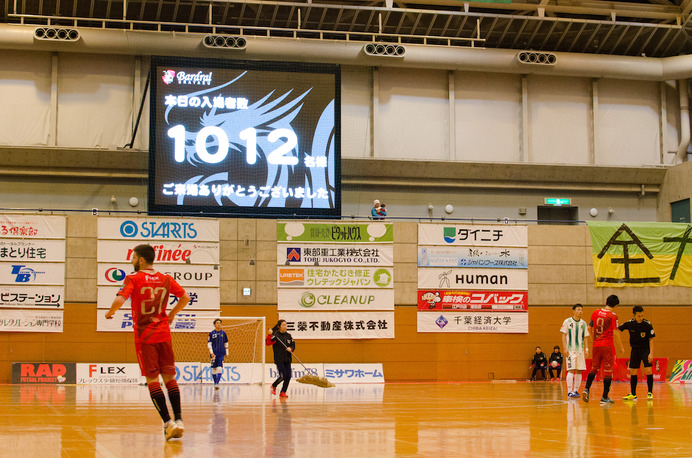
{"x": 181, "y": 428}
{"x": 216, "y": 387}
{"x": 170, "y": 430}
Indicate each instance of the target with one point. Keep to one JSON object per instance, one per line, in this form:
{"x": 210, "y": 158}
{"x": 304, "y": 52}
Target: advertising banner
{"x": 32, "y": 227}
{"x": 473, "y": 300}
{"x": 297, "y": 370}
{"x": 109, "y": 374}
{"x": 473, "y": 235}
{"x": 150, "y": 229}
{"x": 335, "y": 277}
{"x": 621, "y": 370}
{"x": 119, "y": 251}
{"x": 340, "y": 325}
{"x": 200, "y": 298}
{"x": 205, "y": 275}
{"x": 31, "y": 320}
{"x": 477, "y": 279}
{"x": 458, "y": 256}
{"x": 475, "y": 322}
{"x": 354, "y": 373}
{"x": 41, "y": 373}
{"x": 682, "y": 371}
{"x": 296, "y": 231}
{"x": 32, "y": 273}
{"x": 184, "y": 321}
{"x": 34, "y": 297}
{"x": 641, "y": 254}
{"x": 238, "y": 373}
{"x": 28, "y": 250}
{"x": 335, "y": 255}
{"x": 335, "y": 299}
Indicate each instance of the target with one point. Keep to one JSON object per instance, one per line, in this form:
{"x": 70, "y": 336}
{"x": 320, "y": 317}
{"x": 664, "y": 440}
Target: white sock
{"x": 570, "y": 381}
{"x": 577, "y": 380}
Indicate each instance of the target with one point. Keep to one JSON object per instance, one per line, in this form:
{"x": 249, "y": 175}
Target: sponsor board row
{"x": 167, "y": 252}
{"x": 31, "y": 320}
{"x": 473, "y": 235}
{"x": 185, "y": 321}
{"x": 32, "y": 250}
{"x": 476, "y": 279}
{"x": 186, "y": 372}
{"x": 335, "y": 299}
{"x": 335, "y": 255}
{"x": 335, "y": 277}
{"x": 200, "y": 298}
{"x": 32, "y": 273}
{"x": 205, "y": 275}
{"x": 337, "y": 233}
{"x": 459, "y": 256}
{"x": 32, "y": 227}
{"x": 148, "y": 229}
{"x": 340, "y": 325}
{"x": 33, "y": 297}
{"x": 474, "y": 322}
{"x": 431, "y": 300}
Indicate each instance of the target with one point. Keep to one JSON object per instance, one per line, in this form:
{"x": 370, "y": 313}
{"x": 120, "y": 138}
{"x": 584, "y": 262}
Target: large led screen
{"x": 244, "y": 138}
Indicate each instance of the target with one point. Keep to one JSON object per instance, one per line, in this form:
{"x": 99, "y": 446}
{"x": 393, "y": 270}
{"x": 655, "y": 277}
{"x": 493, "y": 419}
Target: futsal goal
{"x": 244, "y": 361}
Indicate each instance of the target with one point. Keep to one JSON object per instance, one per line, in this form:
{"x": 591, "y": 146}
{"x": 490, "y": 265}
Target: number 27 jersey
{"x": 148, "y": 291}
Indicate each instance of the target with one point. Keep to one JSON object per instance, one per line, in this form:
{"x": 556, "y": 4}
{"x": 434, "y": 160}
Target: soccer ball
{"x": 554, "y": 364}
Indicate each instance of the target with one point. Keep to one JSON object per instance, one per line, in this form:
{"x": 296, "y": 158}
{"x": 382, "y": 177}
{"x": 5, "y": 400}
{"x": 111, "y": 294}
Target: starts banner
{"x": 641, "y": 254}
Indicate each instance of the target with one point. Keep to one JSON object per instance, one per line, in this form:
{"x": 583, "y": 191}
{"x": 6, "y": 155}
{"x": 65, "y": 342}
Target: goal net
{"x": 244, "y": 361}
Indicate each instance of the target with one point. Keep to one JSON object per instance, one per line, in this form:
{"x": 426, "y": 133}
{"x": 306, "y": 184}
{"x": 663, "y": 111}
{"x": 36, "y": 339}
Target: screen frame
{"x": 235, "y": 211}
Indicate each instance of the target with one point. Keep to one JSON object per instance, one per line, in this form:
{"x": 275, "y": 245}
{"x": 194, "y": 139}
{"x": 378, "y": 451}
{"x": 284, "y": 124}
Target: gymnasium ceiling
{"x": 653, "y": 28}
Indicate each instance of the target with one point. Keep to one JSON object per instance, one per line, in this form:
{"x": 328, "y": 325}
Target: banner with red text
{"x": 473, "y": 300}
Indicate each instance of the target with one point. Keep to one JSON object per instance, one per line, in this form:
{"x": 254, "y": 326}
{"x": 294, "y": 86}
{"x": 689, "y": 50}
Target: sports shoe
{"x": 170, "y": 430}
{"x": 216, "y": 387}
{"x": 283, "y": 394}
{"x": 181, "y": 428}
{"x": 630, "y": 397}
{"x": 649, "y": 395}
{"x": 572, "y": 394}
{"x": 273, "y": 390}
{"x": 606, "y": 401}
{"x": 585, "y": 395}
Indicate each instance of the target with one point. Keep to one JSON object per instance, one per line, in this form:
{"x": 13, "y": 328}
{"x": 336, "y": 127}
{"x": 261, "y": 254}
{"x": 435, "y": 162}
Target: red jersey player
{"x": 148, "y": 291}
{"x": 603, "y": 323}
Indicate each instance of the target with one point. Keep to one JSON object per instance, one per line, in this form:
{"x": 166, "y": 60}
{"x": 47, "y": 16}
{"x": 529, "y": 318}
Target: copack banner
{"x": 641, "y": 254}
{"x": 473, "y": 300}
{"x": 458, "y": 256}
{"x": 473, "y": 235}
{"x": 477, "y": 322}
{"x": 335, "y": 299}
{"x": 483, "y": 279}
{"x": 335, "y": 255}
{"x": 340, "y": 325}
{"x": 336, "y": 277}
{"x": 335, "y": 233}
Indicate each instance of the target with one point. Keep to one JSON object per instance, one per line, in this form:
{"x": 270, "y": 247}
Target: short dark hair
{"x": 612, "y": 300}
{"x": 574, "y": 307}
{"x": 147, "y": 252}
{"x": 219, "y": 320}
{"x": 556, "y": 347}
{"x": 637, "y": 309}
{"x": 538, "y": 348}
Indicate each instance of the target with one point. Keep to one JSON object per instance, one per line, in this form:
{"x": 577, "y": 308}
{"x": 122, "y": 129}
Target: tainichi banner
{"x": 641, "y": 254}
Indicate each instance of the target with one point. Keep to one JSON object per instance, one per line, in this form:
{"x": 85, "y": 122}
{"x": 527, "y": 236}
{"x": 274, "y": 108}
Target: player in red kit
{"x": 603, "y": 322}
{"x": 148, "y": 291}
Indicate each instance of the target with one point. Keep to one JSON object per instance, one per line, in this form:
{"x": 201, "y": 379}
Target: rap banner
{"x": 641, "y": 254}
{"x": 479, "y": 322}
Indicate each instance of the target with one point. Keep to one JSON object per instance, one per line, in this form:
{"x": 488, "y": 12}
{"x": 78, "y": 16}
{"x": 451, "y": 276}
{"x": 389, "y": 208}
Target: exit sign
{"x": 557, "y": 201}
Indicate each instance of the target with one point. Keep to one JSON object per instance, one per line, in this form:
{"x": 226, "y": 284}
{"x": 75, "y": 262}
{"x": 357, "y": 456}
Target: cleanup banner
{"x": 641, "y": 254}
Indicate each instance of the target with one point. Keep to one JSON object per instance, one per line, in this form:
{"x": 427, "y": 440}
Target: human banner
{"x": 335, "y": 277}
{"x": 29, "y": 250}
{"x": 335, "y": 255}
{"x": 641, "y": 254}
{"x": 483, "y": 279}
{"x": 32, "y": 227}
{"x": 473, "y": 300}
{"x": 340, "y": 325}
{"x": 31, "y": 320}
{"x": 474, "y": 322}
{"x": 297, "y": 231}
{"x": 459, "y": 256}
{"x": 149, "y": 229}
{"x": 32, "y": 297}
{"x": 473, "y": 235}
{"x": 335, "y": 299}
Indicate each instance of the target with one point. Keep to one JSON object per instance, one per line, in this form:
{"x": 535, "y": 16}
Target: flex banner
{"x": 641, "y": 254}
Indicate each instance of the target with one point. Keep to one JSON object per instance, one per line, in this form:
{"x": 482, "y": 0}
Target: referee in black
{"x": 641, "y": 333}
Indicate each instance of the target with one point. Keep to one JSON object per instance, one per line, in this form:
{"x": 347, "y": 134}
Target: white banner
{"x": 32, "y": 273}
{"x": 335, "y": 299}
{"x": 473, "y": 235}
{"x": 340, "y": 325}
{"x": 475, "y": 279}
{"x": 51, "y": 297}
{"x": 271, "y": 373}
{"x": 233, "y": 373}
{"x": 149, "y": 229}
{"x": 335, "y": 277}
{"x": 31, "y": 320}
{"x": 32, "y": 227}
{"x": 200, "y": 298}
{"x": 335, "y": 255}
{"x": 109, "y": 374}
{"x": 354, "y": 373}
{"x": 184, "y": 321}
{"x": 205, "y": 275}
{"x": 27, "y": 250}
{"x": 476, "y": 322}
{"x": 460, "y": 256}
{"x": 166, "y": 252}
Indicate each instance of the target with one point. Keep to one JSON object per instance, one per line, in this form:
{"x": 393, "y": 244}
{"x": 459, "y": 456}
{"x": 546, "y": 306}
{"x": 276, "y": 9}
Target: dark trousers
{"x": 557, "y": 369}
{"x": 284, "y": 375}
{"x": 536, "y": 369}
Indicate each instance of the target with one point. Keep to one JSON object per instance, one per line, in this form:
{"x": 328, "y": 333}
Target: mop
{"x": 309, "y": 378}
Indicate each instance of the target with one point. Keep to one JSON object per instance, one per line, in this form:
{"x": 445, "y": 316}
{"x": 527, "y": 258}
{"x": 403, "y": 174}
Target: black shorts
{"x": 638, "y": 356}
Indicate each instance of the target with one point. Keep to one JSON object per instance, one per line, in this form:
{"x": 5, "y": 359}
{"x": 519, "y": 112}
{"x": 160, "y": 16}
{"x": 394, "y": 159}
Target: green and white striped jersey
{"x": 575, "y": 332}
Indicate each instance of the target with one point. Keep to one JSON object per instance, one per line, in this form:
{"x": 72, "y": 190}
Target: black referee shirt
{"x": 640, "y": 333}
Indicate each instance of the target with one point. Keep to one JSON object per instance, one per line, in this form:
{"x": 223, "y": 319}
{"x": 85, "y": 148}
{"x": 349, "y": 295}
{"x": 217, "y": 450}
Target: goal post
{"x": 244, "y": 361}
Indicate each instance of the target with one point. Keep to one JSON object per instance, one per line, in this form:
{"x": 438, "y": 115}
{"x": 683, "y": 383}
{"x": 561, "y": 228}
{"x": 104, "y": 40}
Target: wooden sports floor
{"x": 462, "y": 419}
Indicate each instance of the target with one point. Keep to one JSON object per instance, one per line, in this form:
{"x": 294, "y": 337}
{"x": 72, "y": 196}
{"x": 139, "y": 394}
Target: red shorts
{"x": 156, "y": 358}
{"x": 603, "y": 357}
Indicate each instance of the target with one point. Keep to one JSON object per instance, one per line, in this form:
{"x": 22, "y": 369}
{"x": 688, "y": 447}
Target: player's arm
{"x": 211, "y": 351}
{"x": 182, "y": 302}
{"x": 564, "y": 344}
{"x": 117, "y": 303}
{"x": 619, "y": 339}
{"x": 651, "y": 350}
{"x": 270, "y": 338}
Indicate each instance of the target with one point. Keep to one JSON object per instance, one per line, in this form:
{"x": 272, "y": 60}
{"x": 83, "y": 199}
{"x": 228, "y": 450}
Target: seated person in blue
{"x": 555, "y": 363}
{"x": 378, "y": 212}
{"x": 539, "y": 362}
